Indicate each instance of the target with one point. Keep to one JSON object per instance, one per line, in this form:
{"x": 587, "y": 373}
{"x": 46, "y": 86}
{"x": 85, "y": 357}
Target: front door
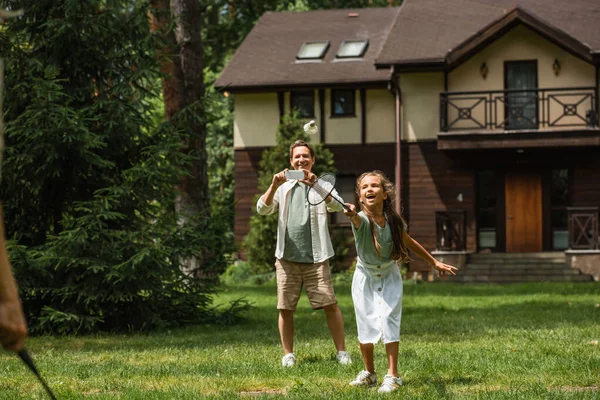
{"x": 520, "y": 79}
{"x": 523, "y": 195}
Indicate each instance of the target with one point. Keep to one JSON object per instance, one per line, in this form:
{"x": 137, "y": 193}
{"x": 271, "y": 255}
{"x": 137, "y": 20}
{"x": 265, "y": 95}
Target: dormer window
{"x": 313, "y": 50}
{"x": 352, "y": 48}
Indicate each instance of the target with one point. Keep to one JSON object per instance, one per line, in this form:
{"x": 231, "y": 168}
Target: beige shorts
{"x": 316, "y": 278}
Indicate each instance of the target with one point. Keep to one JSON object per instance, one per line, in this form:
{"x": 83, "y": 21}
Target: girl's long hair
{"x": 395, "y": 220}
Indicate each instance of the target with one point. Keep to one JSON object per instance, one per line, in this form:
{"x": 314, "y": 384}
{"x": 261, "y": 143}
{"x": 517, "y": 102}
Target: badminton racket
{"x": 323, "y": 188}
{"x": 27, "y": 360}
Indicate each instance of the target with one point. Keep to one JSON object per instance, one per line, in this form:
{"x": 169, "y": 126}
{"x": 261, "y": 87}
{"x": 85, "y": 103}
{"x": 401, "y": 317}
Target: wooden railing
{"x": 583, "y": 228}
{"x": 519, "y": 109}
{"x": 450, "y": 230}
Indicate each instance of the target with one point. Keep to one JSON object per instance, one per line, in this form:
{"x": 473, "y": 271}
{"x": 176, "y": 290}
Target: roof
{"x": 417, "y": 35}
{"x": 267, "y": 57}
{"x": 427, "y": 31}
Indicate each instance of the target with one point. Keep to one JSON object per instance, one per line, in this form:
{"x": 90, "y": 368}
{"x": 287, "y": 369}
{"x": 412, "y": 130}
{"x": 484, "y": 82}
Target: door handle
{"x": 509, "y": 217}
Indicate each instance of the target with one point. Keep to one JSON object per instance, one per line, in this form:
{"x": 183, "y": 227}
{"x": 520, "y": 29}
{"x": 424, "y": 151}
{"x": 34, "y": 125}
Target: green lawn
{"x": 458, "y": 341}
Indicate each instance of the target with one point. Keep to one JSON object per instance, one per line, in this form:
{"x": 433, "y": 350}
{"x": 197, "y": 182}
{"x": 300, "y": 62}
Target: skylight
{"x": 352, "y": 48}
{"x": 312, "y": 50}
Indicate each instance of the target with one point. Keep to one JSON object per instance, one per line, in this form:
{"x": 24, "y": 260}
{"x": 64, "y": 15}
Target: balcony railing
{"x": 450, "y": 229}
{"x": 583, "y": 228}
{"x": 518, "y": 109}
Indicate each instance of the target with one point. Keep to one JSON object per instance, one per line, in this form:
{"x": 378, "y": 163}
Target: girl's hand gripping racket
{"x": 26, "y": 358}
{"x": 323, "y": 188}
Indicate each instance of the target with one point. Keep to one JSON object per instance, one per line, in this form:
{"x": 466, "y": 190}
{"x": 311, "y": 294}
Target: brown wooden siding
{"x": 356, "y": 159}
{"x": 434, "y": 183}
{"x": 585, "y": 178}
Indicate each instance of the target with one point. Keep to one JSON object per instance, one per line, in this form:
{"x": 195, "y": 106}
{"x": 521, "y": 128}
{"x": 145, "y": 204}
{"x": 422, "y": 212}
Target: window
{"x": 560, "y": 201}
{"x": 344, "y": 185}
{"x": 342, "y": 102}
{"x": 303, "y": 101}
{"x": 352, "y": 48}
{"x": 486, "y": 209}
{"x": 521, "y": 104}
{"x": 312, "y": 50}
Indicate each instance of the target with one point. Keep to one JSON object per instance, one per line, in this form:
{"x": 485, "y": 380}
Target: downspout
{"x": 395, "y": 89}
{"x": 597, "y": 119}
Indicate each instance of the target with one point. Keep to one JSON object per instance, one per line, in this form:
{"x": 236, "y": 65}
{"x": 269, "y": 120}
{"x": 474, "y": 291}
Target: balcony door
{"x": 521, "y": 110}
{"x": 523, "y": 199}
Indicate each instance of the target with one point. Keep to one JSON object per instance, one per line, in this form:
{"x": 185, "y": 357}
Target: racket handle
{"x": 27, "y": 360}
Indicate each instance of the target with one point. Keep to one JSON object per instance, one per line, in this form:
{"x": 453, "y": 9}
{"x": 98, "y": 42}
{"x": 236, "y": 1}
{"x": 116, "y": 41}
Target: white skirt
{"x": 377, "y": 296}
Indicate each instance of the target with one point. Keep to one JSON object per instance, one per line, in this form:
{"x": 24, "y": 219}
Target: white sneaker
{"x": 343, "y": 358}
{"x": 364, "y": 379}
{"x": 390, "y": 383}
{"x": 289, "y": 360}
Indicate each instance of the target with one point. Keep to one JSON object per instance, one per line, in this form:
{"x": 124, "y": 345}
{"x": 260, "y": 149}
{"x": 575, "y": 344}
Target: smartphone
{"x": 294, "y": 174}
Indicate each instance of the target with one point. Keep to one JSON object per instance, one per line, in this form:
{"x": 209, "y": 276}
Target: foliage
{"x": 228, "y": 22}
{"x": 342, "y": 241}
{"x": 242, "y": 272}
{"x": 88, "y": 183}
{"x": 219, "y": 146}
{"x": 260, "y": 242}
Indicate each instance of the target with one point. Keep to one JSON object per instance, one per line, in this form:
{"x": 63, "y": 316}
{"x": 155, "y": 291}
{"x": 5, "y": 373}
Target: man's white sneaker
{"x": 390, "y": 383}
{"x": 289, "y": 360}
{"x": 343, "y": 358}
{"x": 364, "y": 379}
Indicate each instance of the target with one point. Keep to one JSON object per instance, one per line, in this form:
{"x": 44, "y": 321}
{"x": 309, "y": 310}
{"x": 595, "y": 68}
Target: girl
{"x": 381, "y": 241}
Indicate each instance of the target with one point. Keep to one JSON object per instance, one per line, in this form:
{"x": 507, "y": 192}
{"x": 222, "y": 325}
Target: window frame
{"x": 320, "y": 56}
{"x": 294, "y": 94}
{"x": 495, "y": 185}
{"x": 344, "y": 181}
{"x": 360, "y": 55}
{"x": 554, "y": 208}
{"x": 333, "y": 113}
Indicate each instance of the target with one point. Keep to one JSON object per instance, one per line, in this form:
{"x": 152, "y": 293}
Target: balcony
{"x": 451, "y": 230}
{"x": 583, "y": 228}
{"x": 519, "y": 118}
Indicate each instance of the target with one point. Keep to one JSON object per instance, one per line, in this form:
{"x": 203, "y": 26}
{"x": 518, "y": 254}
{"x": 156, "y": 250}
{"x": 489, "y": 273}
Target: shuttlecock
{"x": 311, "y": 128}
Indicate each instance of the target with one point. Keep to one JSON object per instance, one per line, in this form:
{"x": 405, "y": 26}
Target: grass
{"x": 531, "y": 341}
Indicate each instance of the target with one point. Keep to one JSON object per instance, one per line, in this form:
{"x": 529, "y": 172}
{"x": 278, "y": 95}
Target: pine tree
{"x": 88, "y": 179}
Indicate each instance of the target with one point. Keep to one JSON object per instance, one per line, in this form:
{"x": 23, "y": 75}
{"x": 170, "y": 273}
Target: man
{"x": 303, "y": 251}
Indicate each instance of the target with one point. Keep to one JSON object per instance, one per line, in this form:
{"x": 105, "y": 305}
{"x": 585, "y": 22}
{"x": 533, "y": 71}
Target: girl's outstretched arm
{"x": 353, "y": 215}
{"x": 416, "y": 248}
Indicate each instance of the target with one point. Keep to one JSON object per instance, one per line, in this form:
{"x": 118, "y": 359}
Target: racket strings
{"x": 321, "y": 188}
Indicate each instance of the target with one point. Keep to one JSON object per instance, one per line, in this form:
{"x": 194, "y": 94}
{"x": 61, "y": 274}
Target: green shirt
{"x": 298, "y": 240}
{"x": 365, "y": 247}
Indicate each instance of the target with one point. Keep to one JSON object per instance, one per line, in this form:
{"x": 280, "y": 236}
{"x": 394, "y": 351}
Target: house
{"x": 485, "y": 113}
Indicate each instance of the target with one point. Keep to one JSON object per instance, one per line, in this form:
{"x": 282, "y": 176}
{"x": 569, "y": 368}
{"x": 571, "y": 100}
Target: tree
{"x": 89, "y": 178}
{"x": 260, "y": 242}
{"x": 181, "y": 54}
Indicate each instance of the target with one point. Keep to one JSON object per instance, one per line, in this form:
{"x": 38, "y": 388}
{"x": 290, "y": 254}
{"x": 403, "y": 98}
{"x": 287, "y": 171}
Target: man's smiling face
{"x": 301, "y": 158}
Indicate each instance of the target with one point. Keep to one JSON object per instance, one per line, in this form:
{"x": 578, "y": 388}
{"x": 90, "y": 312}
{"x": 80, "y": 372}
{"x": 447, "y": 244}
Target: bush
{"x": 342, "y": 241}
{"x": 241, "y": 272}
